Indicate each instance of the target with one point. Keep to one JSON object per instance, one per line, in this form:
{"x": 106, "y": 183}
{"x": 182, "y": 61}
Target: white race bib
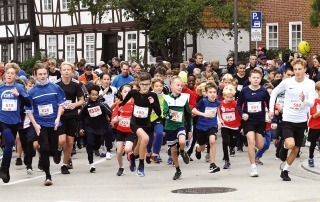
{"x": 66, "y": 104}
{"x": 124, "y": 122}
{"x": 140, "y": 112}
{"x": 211, "y": 109}
{"x": 254, "y": 107}
{"x": 94, "y": 111}
{"x": 176, "y": 116}
{"x": 9, "y": 105}
{"x": 45, "y": 110}
{"x": 239, "y": 87}
{"x": 53, "y": 78}
{"x": 229, "y": 116}
{"x": 295, "y": 104}
{"x": 280, "y": 101}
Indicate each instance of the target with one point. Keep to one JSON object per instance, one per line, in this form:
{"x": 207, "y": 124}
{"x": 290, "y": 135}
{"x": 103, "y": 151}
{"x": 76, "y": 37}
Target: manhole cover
{"x": 204, "y": 190}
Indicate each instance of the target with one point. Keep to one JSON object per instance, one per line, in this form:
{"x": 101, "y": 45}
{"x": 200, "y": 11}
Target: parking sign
{"x": 256, "y": 19}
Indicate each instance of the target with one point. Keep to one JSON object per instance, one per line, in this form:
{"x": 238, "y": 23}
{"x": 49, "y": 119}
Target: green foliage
{"x": 27, "y": 65}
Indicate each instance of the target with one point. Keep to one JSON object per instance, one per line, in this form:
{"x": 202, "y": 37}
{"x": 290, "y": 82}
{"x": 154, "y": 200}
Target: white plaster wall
{"x": 42, "y": 39}
{"x": 66, "y": 20}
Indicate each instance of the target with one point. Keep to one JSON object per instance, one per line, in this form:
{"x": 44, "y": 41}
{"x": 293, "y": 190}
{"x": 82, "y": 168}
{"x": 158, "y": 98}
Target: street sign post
{"x": 256, "y": 26}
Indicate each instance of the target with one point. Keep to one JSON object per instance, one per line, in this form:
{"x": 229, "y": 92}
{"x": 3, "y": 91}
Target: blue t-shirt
{"x": 45, "y": 101}
{"x": 120, "y": 80}
{"x": 10, "y": 104}
{"x": 204, "y": 105}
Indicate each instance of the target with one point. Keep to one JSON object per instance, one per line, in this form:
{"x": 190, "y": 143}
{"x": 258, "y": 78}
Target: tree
{"x": 166, "y": 22}
{"x": 314, "y": 17}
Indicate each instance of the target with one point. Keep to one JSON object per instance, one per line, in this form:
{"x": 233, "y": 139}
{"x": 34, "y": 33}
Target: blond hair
{"x": 52, "y": 61}
{"x": 227, "y": 76}
{"x": 12, "y": 65}
{"x": 200, "y": 88}
{"x": 229, "y": 90}
{"x": 67, "y": 63}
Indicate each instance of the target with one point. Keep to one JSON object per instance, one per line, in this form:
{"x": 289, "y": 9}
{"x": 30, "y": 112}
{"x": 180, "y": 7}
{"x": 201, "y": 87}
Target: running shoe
{"x": 311, "y": 163}
{"x": 4, "y": 174}
{"x": 70, "y": 164}
{"x": 226, "y": 165}
{"x": 64, "y": 170}
{"x": 185, "y": 157}
{"x": 177, "y": 175}
{"x": 132, "y": 162}
{"x": 148, "y": 158}
{"x": 140, "y": 171}
{"x": 97, "y": 153}
{"x": 108, "y": 156}
{"x": 18, "y": 162}
{"x": 102, "y": 155}
{"x": 254, "y": 172}
{"x": 213, "y": 168}
{"x": 197, "y": 153}
{"x": 258, "y": 161}
{"x": 92, "y": 168}
{"x": 154, "y": 159}
{"x": 48, "y": 182}
{"x": 285, "y": 175}
{"x": 169, "y": 161}
{"x": 207, "y": 158}
{"x": 29, "y": 171}
{"x": 120, "y": 172}
{"x": 232, "y": 151}
{"x": 57, "y": 157}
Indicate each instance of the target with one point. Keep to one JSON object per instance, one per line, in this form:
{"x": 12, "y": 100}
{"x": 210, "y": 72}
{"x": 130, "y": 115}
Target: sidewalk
{"x": 315, "y": 169}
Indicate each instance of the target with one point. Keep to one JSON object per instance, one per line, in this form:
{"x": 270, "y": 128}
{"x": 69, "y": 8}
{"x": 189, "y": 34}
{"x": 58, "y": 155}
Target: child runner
{"x": 230, "y": 120}
{"x": 144, "y": 102}
{"x": 177, "y": 111}
{"x": 207, "y": 124}
{"x": 121, "y": 121}
{"x": 94, "y": 122}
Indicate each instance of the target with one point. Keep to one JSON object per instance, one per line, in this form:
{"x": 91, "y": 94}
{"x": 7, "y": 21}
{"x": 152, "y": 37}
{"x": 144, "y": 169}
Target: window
{"x": 132, "y": 46}
{"x": 65, "y": 4}
{"x": 70, "y": 49}
{"x": 47, "y": 5}
{"x": 272, "y": 35}
{"x": 10, "y": 11}
{"x": 89, "y": 49}
{"x": 52, "y": 47}
{"x": 1, "y": 12}
{"x": 5, "y": 52}
{"x": 23, "y": 10}
{"x": 18, "y": 51}
{"x": 295, "y": 35}
{"x": 27, "y": 51}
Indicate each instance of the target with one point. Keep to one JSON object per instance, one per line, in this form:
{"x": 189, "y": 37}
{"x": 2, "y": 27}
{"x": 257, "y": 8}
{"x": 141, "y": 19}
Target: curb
{"x": 314, "y": 170}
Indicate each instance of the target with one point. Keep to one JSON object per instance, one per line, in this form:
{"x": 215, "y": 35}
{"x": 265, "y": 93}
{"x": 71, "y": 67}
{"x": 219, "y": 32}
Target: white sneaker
{"x": 29, "y": 171}
{"x": 108, "y": 156}
{"x": 254, "y": 172}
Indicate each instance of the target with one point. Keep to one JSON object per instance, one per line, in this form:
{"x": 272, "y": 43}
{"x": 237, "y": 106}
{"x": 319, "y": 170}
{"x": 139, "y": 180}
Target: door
{"x": 109, "y": 47}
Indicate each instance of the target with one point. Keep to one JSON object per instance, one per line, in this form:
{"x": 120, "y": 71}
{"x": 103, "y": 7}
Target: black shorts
{"x": 295, "y": 130}
{"x": 227, "y": 134}
{"x": 251, "y": 126}
{"x": 69, "y": 126}
{"x": 172, "y": 136}
{"x": 134, "y": 127}
{"x": 313, "y": 135}
{"x": 203, "y": 136}
{"x": 123, "y": 137}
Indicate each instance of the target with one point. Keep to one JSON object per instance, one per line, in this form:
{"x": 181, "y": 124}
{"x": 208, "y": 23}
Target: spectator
{"x": 88, "y": 75}
{"x": 197, "y": 64}
{"x": 124, "y": 77}
{"x": 231, "y": 67}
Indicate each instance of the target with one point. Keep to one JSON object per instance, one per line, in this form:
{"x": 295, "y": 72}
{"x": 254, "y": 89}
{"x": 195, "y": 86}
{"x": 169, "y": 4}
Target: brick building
{"x": 286, "y": 23}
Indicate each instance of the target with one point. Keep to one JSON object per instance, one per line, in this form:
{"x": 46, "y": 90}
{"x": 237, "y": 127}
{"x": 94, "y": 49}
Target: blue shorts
{"x": 172, "y": 136}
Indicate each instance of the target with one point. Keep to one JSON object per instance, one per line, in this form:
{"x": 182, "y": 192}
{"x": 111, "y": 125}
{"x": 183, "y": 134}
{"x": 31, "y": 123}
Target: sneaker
{"x": 57, "y": 157}
{"x": 155, "y": 159}
{"x": 18, "y": 162}
{"x": 277, "y": 156}
{"x": 240, "y": 149}
{"x": 4, "y": 174}
{"x": 283, "y": 154}
{"x": 70, "y": 165}
{"x": 258, "y": 161}
{"x": 97, "y": 153}
{"x": 197, "y": 154}
{"x": 48, "y": 182}
{"x": 140, "y": 171}
{"x": 120, "y": 171}
{"x": 185, "y": 157}
{"x": 108, "y": 156}
{"x": 285, "y": 175}
{"x": 226, "y": 165}
{"x": 92, "y": 168}
{"x": 40, "y": 167}
{"x": 170, "y": 161}
{"x": 29, "y": 171}
{"x": 148, "y": 158}
{"x": 213, "y": 168}
{"x": 232, "y": 151}
{"x": 311, "y": 163}
{"x": 132, "y": 162}
{"x": 207, "y": 158}
{"x": 102, "y": 155}
{"x": 254, "y": 172}
{"x": 177, "y": 175}
{"x": 64, "y": 170}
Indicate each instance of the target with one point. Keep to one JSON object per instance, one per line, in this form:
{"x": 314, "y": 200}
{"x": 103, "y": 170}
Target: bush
{"x": 27, "y": 65}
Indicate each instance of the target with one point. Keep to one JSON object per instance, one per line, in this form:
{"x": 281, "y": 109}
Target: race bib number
{"x": 66, "y": 104}
{"x": 176, "y": 116}
{"x": 211, "y": 109}
{"x": 94, "y": 111}
{"x": 53, "y": 78}
{"x": 295, "y": 104}
{"x": 9, "y": 105}
{"x": 239, "y": 87}
{"x": 280, "y": 101}
{"x": 254, "y": 107}
{"x": 230, "y": 116}
{"x": 140, "y": 112}
{"x": 124, "y": 122}
{"x": 45, "y": 110}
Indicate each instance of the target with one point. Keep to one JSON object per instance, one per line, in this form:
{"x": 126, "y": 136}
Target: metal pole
{"x": 15, "y": 31}
{"x": 235, "y": 23}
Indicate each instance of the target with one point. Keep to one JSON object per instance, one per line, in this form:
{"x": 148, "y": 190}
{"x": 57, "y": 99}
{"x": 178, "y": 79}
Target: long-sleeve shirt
{"x": 294, "y": 110}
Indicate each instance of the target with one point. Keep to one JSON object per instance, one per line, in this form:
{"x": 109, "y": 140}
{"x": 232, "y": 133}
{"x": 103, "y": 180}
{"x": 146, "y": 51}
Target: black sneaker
{"x": 148, "y": 158}
{"x": 283, "y": 154}
{"x": 57, "y": 157}
{"x": 97, "y": 153}
{"x": 64, "y": 170}
{"x": 185, "y": 157}
{"x": 4, "y": 174}
{"x": 120, "y": 171}
{"x": 92, "y": 169}
{"x": 70, "y": 165}
{"x": 197, "y": 154}
{"x": 40, "y": 167}
{"x": 284, "y": 175}
{"x": 232, "y": 151}
{"x": 213, "y": 168}
{"x": 18, "y": 162}
{"x": 177, "y": 175}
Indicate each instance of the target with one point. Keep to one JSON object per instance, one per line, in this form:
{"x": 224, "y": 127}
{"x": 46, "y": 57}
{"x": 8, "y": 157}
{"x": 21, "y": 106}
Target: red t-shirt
{"x": 125, "y": 112}
{"x": 314, "y": 123}
{"x": 230, "y": 115}
{"x": 192, "y": 98}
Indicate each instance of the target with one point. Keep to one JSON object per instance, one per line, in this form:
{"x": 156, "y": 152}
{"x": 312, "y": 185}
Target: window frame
{"x": 296, "y": 23}
{"x": 47, "y": 5}
{"x": 5, "y": 58}
{"x": 65, "y": 5}
{"x": 50, "y": 46}
{"x": 89, "y": 56}
{"x": 23, "y": 5}
{"x": 70, "y": 45}
{"x": 131, "y": 42}
{"x": 268, "y": 25}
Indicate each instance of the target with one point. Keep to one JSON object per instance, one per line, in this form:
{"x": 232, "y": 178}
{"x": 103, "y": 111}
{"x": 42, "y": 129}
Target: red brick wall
{"x": 283, "y": 12}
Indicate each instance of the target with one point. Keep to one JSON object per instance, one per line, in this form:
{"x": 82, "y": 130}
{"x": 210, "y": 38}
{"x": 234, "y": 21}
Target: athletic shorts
{"x": 295, "y": 130}
{"x": 172, "y": 136}
{"x": 203, "y": 136}
{"x": 251, "y": 126}
{"x": 123, "y": 137}
{"x": 134, "y": 127}
{"x": 69, "y": 126}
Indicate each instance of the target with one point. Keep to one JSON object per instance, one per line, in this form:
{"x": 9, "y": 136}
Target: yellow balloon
{"x": 304, "y": 47}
